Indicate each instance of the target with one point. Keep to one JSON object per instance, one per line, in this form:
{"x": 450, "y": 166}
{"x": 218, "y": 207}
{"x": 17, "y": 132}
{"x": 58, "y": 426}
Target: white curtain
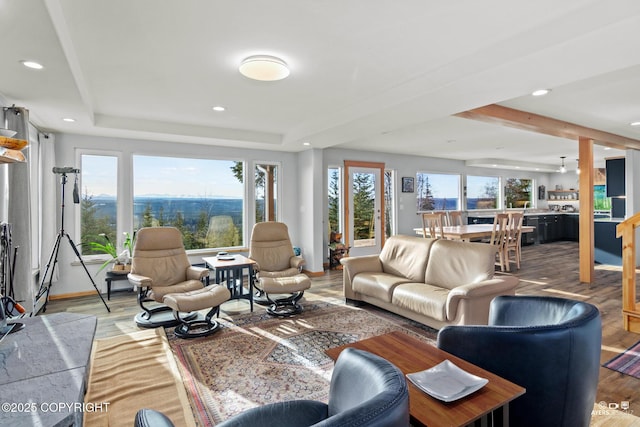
{"x": 49, "y": 202}
{"x": 18, "y": 212}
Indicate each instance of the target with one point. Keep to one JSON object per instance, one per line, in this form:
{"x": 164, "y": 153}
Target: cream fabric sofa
{"x": 432, "y": 281}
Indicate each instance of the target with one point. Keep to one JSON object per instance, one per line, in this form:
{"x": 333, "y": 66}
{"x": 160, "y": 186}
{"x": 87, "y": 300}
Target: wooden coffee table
{"x": 413, "y": 355}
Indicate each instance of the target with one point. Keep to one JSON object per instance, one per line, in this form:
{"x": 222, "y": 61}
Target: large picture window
{"x": 99, "y": 201}
{"x": 482, "y": 192}
{"x": 437, "y": 191}
{"x": 203, "y": 198}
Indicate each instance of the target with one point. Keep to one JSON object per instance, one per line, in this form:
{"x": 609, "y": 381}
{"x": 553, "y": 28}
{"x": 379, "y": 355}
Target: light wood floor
{"x": 550, "y": 269}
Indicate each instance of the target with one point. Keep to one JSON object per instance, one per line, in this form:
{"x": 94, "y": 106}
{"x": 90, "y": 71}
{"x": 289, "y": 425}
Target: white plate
{"x": 447, "y": 382}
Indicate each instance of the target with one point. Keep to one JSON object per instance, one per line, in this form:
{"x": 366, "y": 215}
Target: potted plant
{"x": 121, "y": 262}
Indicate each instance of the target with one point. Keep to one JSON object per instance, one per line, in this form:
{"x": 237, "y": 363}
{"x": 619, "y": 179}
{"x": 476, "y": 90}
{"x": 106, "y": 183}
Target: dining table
{"x": 470, "y": 232}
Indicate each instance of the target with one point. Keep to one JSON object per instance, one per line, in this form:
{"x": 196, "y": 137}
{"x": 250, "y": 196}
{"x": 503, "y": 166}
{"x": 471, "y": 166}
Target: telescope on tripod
{"x": 47, "y": 278}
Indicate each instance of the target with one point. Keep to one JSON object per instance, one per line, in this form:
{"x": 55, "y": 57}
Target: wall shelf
{"x": 562, "y": 195}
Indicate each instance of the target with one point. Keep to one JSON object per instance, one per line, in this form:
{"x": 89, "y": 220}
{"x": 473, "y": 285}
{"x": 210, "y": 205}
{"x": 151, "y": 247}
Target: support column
{"x": 586, "y": 247}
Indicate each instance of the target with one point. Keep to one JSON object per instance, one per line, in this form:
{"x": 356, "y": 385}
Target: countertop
{"x": 541, "y": 212}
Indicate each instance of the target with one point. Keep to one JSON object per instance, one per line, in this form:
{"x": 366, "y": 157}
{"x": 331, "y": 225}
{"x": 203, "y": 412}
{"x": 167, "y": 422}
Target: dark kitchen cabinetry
{"x": 550, "y": 228}
{"x": 571, "y": 225}
{"x": 615, "y": 177}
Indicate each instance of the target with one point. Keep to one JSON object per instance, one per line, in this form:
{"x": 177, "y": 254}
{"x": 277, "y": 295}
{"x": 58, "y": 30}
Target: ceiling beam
{"x": 518, "y": 119}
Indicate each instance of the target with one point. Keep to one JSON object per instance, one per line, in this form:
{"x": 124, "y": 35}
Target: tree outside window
{"x": 517, "y": 192}
{"x": 436, "y": 191}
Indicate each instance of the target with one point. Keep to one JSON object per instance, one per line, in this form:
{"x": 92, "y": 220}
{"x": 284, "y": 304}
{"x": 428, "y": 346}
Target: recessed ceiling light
{"x": 264, "y": 68}
{"x": 68, "y": 119}
{"x": 635, "y": 123}
{"x": 32, "y": 64}
{"x": 607, "y": 148}
{"x": 306, "y": 143}
{"x": 219, "y": 108}
{"x": 540, "y": 92}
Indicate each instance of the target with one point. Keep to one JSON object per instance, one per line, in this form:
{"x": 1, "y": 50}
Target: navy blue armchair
{"x": 550, "y": 346}
{"x": 366, "y": 390}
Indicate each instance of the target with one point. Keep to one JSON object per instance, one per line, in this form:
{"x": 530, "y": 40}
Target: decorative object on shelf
{"x": 563, "y": 168}
{"x": 407, "y": 184}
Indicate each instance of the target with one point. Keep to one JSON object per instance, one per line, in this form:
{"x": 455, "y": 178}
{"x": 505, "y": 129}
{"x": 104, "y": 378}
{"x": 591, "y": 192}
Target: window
{"x": 334, "y": 197}
{"x": 436, "y": 191}
{"x": 482, "y": 192}
{"x": 99, "y": 201}
{"x": 389, "y": 211}
{"x": 266, "y": 192}
{"x": 203, "y": 198}
{"x": 518, "y": 193}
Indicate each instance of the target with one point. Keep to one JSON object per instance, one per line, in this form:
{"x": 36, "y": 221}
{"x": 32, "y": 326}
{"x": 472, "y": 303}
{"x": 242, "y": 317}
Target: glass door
{"x": 364, "y": 207}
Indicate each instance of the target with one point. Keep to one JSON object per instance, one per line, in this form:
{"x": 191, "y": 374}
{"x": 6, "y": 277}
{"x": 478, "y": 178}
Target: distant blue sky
{"x": 176, "y": 177}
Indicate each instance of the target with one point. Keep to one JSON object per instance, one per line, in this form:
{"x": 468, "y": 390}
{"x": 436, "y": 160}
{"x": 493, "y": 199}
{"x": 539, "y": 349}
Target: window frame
{"x": 499, "y": 194}
{"x": 460, "y": 195}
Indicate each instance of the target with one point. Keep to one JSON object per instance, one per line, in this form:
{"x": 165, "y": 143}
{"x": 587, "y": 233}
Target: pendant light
{"x": 578, "y": 167}
{"x": 563, "y": 168}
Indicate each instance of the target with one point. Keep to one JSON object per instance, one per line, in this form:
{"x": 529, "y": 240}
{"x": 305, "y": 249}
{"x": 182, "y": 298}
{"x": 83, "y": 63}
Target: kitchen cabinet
{"x": 571, "y": 226}
{"x": 550, "y": 228}
{"x": 607, "y": 247}
{"x": 615, "y": 177}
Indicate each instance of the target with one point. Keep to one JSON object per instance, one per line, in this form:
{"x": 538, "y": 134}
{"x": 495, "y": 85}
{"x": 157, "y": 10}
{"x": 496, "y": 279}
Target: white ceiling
{"x": 382, "y": 75}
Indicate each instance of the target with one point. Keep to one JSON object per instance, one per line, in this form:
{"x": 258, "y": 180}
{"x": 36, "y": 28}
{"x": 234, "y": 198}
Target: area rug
{"x": 627, "y": 362}
{"x": 134, "y": 371}
{"x": 256, "y": 359}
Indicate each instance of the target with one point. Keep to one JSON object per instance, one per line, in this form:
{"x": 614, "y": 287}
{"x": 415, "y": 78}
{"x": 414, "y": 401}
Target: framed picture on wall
{"x": 407, "y": 184}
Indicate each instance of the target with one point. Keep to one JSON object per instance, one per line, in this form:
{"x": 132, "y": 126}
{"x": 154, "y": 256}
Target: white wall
{"x": 72, "y": 277}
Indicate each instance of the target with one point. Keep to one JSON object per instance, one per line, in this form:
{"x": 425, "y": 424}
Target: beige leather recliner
{"x": 160, "y": 266}
{"x": 278, "y": 270}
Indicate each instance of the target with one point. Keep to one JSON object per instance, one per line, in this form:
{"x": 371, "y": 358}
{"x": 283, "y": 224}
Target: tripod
{"x": 45, "y": 286}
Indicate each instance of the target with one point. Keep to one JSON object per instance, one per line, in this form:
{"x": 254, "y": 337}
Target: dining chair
{"x": 514, "y": 237}
{"x": 454, "y": 218}
{"x": 432, "y": 223}
{"x": 499, "y": 239}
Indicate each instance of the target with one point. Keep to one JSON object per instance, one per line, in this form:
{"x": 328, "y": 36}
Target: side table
{"x": 111, "y": 276}
{"x": 230, "y": 270}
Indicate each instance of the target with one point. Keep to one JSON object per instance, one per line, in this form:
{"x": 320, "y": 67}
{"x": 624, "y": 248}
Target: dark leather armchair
{"x": 366, "y": 390}
{"x": 550, "y": 346}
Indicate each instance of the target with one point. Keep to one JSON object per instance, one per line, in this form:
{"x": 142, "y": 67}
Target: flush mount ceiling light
{"x": 563, "y": 168}
{"x": 540, "y": 92}
{"x": 264, "y": 68}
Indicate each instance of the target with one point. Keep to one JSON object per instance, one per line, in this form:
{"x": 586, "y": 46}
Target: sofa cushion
{"x": 377, "y": 285}
{"x": 420, "y": 298}
{"x": 453, "y": 263}
{"x": 406, "y": 256}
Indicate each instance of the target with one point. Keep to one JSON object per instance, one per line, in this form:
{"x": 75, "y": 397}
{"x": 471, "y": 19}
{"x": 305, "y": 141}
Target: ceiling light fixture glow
{"x": 635, "y": 123}
{"x": 68, "y": 120}
{"x": 218, "y": 108}
{"x": 540, "y": 92}
{"x": 563, "y": 168}
{"x": 32, "y": 64}
{"x": 264, "y": 68}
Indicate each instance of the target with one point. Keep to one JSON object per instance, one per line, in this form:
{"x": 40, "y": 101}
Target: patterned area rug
{"x": 627, "y": 362}
{"x": 256, "y": 359}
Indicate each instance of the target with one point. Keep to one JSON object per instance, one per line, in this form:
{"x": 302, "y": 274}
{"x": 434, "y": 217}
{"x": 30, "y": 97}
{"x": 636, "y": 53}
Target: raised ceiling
{"x": 375, "y": 75}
